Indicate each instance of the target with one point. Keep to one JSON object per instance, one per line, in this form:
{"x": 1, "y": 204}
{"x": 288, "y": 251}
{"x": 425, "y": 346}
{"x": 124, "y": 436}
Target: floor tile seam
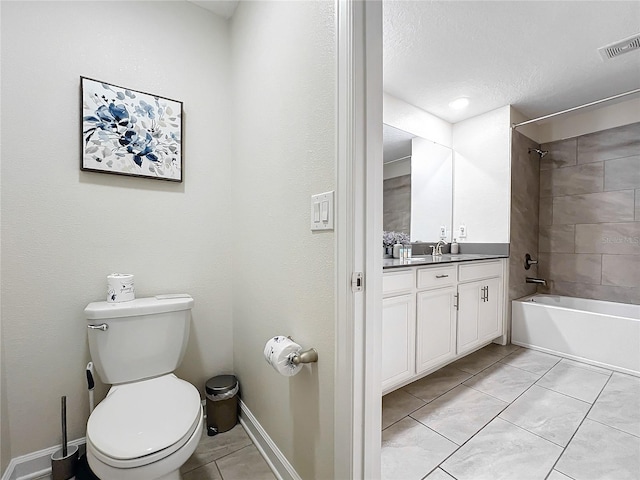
{"x": 570, "y": 396}
{"x": 230, "y": 453}
{"x": 398, "y": 421}
{"x": 586, "y": 367}
{"x": 219, "y": 471}
{"x": 553, "y": 469}
{"x": 465, "y": 442}
{"x": 534, "y": 433}
{"x": 408, "y": 393}
{"x": 440, "y": 434}
{"x": 444, "y": 393}
{"x": 615, "y": 428}
{"x": 529, "y": 371}
{"x": 564, "y": 394}
{"x": 535, "y": 373}
{"x": 580, "y": 425}
{"x": 436, "y": 468}
{"x": 483, "y": 369}
{"x": 497, "y": 415}
{"x": 508, "y": 402}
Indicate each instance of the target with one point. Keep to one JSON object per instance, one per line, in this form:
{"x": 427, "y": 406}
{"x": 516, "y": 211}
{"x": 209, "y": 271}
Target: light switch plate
{"x": 323, "y": 202}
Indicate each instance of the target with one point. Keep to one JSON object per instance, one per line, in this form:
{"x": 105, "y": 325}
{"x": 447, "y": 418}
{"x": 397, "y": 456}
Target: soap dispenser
{"x": 454, "y": 247}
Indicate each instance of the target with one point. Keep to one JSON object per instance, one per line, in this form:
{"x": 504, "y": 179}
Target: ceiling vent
{"x": 627, "y": 45}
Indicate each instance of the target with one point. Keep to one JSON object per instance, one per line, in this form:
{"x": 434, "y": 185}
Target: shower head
{"x": 542, "y": 153}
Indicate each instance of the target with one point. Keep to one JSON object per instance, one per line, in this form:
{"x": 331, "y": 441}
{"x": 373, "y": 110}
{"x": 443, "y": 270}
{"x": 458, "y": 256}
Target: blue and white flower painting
{"x": 130, "y": 133}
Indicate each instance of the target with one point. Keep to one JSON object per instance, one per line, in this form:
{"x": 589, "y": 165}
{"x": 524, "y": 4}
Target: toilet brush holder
{"x": 63, "y": 467}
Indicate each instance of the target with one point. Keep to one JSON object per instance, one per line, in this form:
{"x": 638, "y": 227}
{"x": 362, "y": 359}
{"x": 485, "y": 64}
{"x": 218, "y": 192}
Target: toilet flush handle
{"x": 102, "y": 326}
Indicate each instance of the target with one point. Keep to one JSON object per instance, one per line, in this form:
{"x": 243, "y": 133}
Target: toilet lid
{"x": 142, "y": 418}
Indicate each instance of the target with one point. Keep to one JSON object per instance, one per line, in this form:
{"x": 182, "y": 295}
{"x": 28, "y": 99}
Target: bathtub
{"x": 605, "y": 334}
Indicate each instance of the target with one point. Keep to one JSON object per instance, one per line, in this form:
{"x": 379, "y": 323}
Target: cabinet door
{"x": 469, "y": 299}
{"x": 490, "y": 310}
{"x": 398, "y": 339}
{"x": 435, "y": 328}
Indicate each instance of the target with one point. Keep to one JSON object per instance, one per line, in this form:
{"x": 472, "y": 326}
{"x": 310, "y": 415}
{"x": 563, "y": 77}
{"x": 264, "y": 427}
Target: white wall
{"x": 412, "y": 119}
{"x": 482, "y": 177}
{"x": 431, "y": 190}
{"x": 284, "y": 77}
{"x": 64, "y": 230}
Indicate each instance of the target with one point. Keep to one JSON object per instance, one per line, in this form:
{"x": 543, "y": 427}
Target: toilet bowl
{"x": 145, "y": 430}
{"x": 151, "y": 421}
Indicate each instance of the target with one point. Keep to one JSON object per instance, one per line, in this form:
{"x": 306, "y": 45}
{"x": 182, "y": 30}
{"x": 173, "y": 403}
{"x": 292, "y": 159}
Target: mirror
{"x": 418, "y": 186}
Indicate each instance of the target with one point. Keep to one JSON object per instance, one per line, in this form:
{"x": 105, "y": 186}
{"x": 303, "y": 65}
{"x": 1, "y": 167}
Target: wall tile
{"x": 546, "y": 211}
{"x": 594, "y": 208}
{"x": 622, "y": 173}
{"x": 397, "y": 204}
{"x": 596, "y": 292}
{"x": 569, "y": 267}
{"x": 613, "y": 238}
{"x": 607, "y": 144}
{"x": 621, "y": 270}
{"x": 556, "y": 238}
{"x": 525, "y": 194}
{"x": 586, "y": 178}
{"x": 561, "y": 154}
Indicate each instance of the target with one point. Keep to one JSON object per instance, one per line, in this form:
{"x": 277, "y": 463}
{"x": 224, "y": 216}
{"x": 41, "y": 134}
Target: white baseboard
{"x": 36, "y": 464}
{"x": 278, "y": 463}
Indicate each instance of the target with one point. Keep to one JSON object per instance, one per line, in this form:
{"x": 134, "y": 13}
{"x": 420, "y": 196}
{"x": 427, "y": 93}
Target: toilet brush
{"x": 64, "y": 425}
{"x": 64, "y": 461}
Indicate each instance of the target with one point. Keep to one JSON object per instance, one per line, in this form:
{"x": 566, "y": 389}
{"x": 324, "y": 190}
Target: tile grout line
{"x": 615, "y": 428}
{"x": 605, "y": 373}
{"x": 581, "y": 423}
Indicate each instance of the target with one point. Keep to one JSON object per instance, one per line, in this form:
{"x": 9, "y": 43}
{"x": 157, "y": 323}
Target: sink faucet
{"x": 539, "y": 281}
{"x": 436, "y": 250}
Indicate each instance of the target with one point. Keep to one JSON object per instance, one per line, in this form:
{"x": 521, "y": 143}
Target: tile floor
{"x": 515, "y": 414}
{"x": 227, "y": 456}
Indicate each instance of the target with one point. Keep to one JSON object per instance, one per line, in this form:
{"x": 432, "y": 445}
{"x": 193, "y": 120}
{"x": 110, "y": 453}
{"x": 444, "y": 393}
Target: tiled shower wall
{"x": 525, "y": 187}
{"x": 589, "y": 233}
{"x": 397, "y": 204}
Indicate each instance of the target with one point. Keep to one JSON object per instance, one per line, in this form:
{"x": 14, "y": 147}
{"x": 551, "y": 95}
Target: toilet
{"x": 151, "y": 421}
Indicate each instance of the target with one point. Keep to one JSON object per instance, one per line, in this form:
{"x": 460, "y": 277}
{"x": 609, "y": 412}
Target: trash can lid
{"x": 221, "y": 384}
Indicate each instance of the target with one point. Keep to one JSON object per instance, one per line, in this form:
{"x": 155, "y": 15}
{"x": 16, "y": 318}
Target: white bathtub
{"x": 605, "y": 334}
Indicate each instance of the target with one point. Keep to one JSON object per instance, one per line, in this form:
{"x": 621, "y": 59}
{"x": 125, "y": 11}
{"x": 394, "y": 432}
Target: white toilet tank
{"x": 139, "y": 339}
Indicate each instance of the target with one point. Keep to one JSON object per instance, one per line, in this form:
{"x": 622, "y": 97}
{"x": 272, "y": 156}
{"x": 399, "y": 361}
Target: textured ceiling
{"x": 223, "y": 8}
{"x": 539, "y": 56}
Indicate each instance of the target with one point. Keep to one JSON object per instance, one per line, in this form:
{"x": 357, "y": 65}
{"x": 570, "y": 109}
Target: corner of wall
{"x": 412, "y": 119}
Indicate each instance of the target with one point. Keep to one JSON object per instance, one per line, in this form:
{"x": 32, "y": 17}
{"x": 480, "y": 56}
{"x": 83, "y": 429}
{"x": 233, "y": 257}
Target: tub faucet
{"x": 539, "y": 281}
{"x": 436, "y": 250}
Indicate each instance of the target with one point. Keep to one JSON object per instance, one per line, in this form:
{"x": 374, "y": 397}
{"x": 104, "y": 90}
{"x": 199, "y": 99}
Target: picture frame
{"x": 129, "y": 132}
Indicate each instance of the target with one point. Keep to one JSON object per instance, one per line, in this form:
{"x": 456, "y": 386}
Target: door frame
{"x": 358, "y": 392}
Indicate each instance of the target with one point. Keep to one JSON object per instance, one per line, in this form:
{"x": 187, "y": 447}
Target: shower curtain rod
{"x": 631, "y": 92}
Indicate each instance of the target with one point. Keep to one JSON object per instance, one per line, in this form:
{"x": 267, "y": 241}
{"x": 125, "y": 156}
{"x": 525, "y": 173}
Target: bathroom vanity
{"x": 437, "y": 309}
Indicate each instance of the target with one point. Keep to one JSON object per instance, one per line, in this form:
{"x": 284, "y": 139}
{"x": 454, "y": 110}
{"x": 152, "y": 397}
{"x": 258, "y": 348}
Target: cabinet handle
{"x": 455, "y": 302}
{"x": 487, "y": 295}
{"x": 441, "y": 276}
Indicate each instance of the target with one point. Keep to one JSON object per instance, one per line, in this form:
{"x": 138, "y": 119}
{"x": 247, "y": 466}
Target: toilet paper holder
{"x": 306, "y": 356}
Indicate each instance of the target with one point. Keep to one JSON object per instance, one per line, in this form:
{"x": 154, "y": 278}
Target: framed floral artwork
{"x": 127, "y": 132}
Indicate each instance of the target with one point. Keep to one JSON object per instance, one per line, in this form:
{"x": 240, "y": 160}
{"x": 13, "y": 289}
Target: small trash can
{"x": 222, "y": 403}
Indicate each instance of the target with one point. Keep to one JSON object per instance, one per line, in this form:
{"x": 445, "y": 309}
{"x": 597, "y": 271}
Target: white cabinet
{"x": 479, "y": 307}
{"x": 398, "y": 344}
{"x": 434, "y": 315}
{"x": 435, "y": 328}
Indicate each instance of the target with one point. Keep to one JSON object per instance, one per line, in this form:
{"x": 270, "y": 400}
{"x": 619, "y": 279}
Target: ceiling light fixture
{"x": 459, "y": 103}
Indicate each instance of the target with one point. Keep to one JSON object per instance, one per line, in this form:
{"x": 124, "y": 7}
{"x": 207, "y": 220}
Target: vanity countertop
{"x": 425, "y": 260}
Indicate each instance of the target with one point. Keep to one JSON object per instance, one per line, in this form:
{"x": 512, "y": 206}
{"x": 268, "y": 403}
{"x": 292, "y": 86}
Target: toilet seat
{"x": 142, "y": 422}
